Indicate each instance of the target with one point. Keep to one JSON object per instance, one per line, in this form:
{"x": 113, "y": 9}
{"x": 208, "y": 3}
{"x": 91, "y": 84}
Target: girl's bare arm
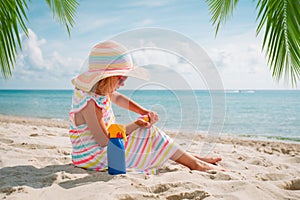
{"x": 94, "y": 120}
{"x": 125, "y": 102}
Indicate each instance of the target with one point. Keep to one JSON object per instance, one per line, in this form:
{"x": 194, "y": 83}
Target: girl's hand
{"x": 147, "y": 123}
{"x": 153, "y": 117}
{"x": 142, "y": 123}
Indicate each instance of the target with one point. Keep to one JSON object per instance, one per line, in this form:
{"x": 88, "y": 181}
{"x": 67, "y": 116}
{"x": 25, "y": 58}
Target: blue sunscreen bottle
{"x": 115, "y": 149}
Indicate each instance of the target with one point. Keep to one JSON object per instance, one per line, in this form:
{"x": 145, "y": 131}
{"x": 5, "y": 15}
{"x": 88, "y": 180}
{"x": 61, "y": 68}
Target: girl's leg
{"x": 193, "y": 163}
{"x": 211, "y": 160}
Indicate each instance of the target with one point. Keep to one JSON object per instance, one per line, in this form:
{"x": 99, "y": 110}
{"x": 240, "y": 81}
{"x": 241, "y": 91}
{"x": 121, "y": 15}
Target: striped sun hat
{"x": 107, "y": 59}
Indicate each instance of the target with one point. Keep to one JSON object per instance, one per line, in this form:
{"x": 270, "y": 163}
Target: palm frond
{"x": 281, "y": 21}
{"x": 64, "y": 11}
{"x": 12, "y": 21}
{"x": 12, "y": 17}
{"x": 220, "y": 11}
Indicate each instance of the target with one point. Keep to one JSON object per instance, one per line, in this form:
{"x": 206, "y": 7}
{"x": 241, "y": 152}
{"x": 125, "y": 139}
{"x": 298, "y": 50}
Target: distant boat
{"x": 249, "y": 91}
{"x": 232, "y": 91}
{"x": 240, "y": 91}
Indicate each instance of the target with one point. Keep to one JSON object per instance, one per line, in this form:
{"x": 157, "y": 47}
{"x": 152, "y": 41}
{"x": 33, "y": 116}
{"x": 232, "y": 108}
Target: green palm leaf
{"x": 220, "y": 11}
{"x": 64, "y": 11}
{"x": 12, "y": 15}
{"x": 13, "y": 20}
{"x": 280, "y": 20}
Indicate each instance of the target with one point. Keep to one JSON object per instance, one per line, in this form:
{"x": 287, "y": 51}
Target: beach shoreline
{"x": 35, "y": 163}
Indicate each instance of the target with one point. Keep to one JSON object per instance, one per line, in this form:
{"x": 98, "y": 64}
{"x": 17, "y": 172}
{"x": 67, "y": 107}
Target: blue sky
{"x": 50, "y": 58}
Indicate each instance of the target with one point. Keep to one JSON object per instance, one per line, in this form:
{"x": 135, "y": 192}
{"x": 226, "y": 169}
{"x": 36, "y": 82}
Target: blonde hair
{"x": 105, "y": 86}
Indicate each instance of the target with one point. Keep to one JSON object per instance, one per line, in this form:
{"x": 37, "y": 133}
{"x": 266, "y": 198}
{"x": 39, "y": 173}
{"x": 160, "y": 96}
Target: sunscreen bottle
{"x": 115, "y": 149}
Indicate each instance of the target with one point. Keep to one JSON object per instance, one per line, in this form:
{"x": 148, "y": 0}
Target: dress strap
{"x": 81, "y": 98}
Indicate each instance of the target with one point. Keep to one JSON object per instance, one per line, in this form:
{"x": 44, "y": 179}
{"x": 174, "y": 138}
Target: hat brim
{"x": 88, "y": 79}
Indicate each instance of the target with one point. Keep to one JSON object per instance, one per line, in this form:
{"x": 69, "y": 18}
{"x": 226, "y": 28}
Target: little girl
{"x": 91, "y": 113}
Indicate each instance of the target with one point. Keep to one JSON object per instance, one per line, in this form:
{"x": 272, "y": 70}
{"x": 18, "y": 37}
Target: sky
{"x": 50, "y": 58}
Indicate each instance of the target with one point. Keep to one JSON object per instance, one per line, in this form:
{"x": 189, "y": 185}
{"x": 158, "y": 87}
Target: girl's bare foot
{"x": 196, "y": 162}
{"x": 211, "y": 160}
{"x": 203, "y": 166}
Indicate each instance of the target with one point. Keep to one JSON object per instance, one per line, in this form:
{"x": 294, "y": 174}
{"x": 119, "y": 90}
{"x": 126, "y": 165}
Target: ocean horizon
{"x": 253, "y": 113}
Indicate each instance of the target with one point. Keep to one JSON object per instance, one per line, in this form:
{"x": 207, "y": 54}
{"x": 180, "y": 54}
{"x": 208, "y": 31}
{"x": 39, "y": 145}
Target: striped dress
{"x": 145, "y": 149}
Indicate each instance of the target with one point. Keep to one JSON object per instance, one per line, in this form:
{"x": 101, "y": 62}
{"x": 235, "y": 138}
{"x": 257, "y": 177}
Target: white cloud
{"x": 242, "y": 64}
{"x": 169, "y": 70}
{"x": 151, "y": 56}
{"x": 33, "y": 50}
{"x": 35, "y": 66}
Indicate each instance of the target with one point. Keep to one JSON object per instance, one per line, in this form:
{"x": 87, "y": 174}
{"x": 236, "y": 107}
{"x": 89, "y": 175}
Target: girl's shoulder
{"x": 81, "y": 98}
{"x": 81, "y": 94}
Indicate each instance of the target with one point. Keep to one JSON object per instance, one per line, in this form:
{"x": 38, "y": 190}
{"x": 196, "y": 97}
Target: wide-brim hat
{"x": 107, "y": 59}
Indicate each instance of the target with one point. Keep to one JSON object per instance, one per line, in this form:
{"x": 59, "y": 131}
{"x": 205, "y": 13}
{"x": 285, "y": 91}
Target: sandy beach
{"x": 35, "y": 163}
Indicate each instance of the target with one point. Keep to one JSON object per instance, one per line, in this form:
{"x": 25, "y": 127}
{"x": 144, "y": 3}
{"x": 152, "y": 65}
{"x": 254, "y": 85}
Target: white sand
{"x": 35, "y": 164}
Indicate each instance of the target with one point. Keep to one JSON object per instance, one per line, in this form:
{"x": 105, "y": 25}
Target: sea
{"x": 254, "y": 113}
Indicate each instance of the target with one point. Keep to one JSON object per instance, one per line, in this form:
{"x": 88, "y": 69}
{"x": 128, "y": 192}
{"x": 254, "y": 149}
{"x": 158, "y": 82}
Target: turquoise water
{"x": 254, "y": 113}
